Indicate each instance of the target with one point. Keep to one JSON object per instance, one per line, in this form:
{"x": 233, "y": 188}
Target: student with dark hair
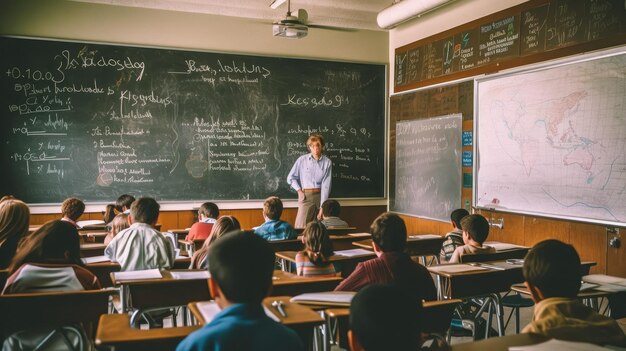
{"x": 330, "y": 215}
{"x": 274, "y": 228}
{"x": 552, "y": 273}
{"x": 123, "y": 203}
{"x": 241, "y": 267}
{"x": 475, "y": 231}
{"x": 312, "y": 261}
{"x": 71, "y": 209}
{"x": 392, "y": 266}
{"x": 14, "y": 219}
{"x": 383, "y": 317}
{"x": 454, "y": 238}
{"x": 140, "y": 246}
{"x": 207, "y": 215}
{"x": 224, "y": 224}
{"x": 49, "y": 260}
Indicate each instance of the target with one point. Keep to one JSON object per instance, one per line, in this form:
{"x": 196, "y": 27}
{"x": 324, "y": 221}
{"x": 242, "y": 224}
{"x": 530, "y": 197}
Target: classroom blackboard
{"x": 94, "y": 121}
{"x": 428, "y": 167}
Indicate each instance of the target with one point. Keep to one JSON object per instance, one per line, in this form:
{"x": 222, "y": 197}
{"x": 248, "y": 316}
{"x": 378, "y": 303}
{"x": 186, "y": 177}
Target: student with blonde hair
{"x": 119, "y": 223}
{"x": 312, "y": 261}
{"x": 14, "y": 219}
{"x": 222, "y": 226}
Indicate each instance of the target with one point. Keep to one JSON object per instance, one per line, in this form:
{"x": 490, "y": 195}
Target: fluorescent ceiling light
{"x": 275, "y": 3}
{"x": 406, "y": 10}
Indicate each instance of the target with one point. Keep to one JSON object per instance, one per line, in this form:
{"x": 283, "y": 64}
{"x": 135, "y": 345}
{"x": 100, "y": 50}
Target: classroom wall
{"x": 147, "y": 27}
{"x": 590, "y": 240}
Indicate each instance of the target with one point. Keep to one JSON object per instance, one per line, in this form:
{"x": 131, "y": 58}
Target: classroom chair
{"x": 61, "y": 312}
{"x": 438, "y": 316}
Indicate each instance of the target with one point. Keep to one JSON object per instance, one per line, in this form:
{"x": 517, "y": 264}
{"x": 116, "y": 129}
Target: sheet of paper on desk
{"x": 603, "y": 279}
{"x": 353, "y": 252}
{"x": 90, "y": 222}
{"x": 190, "y": 275}
{"x": 424, "y": 236}
{"x": 335, "y": 298}
{"x": 138, "y": 275}
{"x": 95, "y": 259}
{"x": 503, "y": 246}
{"x": 587, "y": 286}
{"x": 611, "y": 288}
{"x": 559, "y": 345}
{"x": 455, "y": 268}
{"x": 208, "y": 310}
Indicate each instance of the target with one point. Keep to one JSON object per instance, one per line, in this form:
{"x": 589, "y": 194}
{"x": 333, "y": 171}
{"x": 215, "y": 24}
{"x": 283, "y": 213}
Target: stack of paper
{"x": 95, "y": 259}
{"x": 503, "y": 246}
{"x": 138, "y": 275}
{"x": 330, "y": 298}
{"x": 190, "y": 275}
{"x": 90, "y": 222}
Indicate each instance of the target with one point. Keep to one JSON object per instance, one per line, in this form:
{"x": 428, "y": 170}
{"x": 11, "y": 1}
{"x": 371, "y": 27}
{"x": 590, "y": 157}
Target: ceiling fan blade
{"x": 338, "y": 29}
{"x": 303, "y": 16}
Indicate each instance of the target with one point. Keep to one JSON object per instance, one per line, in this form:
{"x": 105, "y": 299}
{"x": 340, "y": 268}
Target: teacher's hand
{"x": 300, "y": 195}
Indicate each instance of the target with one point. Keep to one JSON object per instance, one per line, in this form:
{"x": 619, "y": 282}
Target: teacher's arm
{"x": 293, "y": 179}
{"x": 326, "y": 182}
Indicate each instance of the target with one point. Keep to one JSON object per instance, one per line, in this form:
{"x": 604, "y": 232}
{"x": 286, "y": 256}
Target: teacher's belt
{"x": 316, "y": 190}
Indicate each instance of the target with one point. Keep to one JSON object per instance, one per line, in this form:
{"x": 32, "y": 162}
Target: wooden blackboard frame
{"x": 385, "y": 87}
{"x": 599, "y": 54}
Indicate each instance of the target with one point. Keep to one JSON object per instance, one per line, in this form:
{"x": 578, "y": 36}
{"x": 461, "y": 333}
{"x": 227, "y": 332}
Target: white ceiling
{"x": 354, "y": 14}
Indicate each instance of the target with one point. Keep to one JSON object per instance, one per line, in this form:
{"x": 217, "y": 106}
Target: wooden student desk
{"x": 289, "y": 284}
{"x": 92, "y": 249}
{"x": 348, "y": 263}
{"x": 115, "y": 332}
{"x": 416, "y": 245}
{"x": 103, "y": 270}
{"x": 500, "y": 343}
{"x": 92, "y": 237}
{"x": 299, "y": 318}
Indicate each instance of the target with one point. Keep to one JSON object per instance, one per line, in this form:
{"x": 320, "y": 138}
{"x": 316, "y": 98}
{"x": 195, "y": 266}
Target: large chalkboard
{"x": 95, "y": 121}
{"x": 428, "y": 167}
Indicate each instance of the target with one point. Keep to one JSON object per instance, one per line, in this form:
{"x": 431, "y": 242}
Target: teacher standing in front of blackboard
{"x": 311, "y": 176}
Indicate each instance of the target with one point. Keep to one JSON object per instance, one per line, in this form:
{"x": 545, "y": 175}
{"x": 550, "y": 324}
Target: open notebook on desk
{"x": 95, "y": 259}
{"x": 330, "y": 298}
{"x": 138, "y": 275}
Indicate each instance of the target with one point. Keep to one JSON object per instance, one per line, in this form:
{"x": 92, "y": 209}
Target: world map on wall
{"x": 552, "y": 142}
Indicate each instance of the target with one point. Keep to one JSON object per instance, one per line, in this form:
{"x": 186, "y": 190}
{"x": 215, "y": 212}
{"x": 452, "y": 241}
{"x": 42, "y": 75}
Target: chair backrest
{"x": 498, "y": 256}
{"x": 438, "y": 315}
{"x": 167, "y": 293}
{"x": 32, "y": 310}
{"x": 286, "y": 245}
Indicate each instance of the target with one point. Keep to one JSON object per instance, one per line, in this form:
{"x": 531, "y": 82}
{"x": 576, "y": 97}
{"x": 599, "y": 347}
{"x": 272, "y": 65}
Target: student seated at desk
{"x": 71, "y": 209}
{"x": 383, "y": 317}
{"x": 392, "y": 266}
{"x": 140, "y": 246}
{"x": 241, "y": 267}
{"x": 123, "y": 203}
{"x": 108, "y": 214}
{"x": 207, "y": 215}
{"x": 274, "y": 228}
{"x": 49, "y": 260}
{"x": 317, "y": 248}
{"x": 454, "y": 238}
{"x": 330, "y": 215}
{"x": 119, "y": 223}
{"x": 475, "y": 232}
{"x": 552, "y": 273}
{"x": 224, "y": 224}
{"x": 14, "y": 219}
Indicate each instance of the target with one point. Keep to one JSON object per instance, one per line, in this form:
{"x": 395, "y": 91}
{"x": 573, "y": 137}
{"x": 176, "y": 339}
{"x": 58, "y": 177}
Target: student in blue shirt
{"x": 274, "y": 228}
{"x": 311, "y": 176}
{"x": 241, "y": 267}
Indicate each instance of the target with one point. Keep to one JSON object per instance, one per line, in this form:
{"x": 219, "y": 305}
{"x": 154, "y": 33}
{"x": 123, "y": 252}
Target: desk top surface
{"x": 291, "y": 256}
{"x": 114, "y": 329}
{"x": 500, "y": 343}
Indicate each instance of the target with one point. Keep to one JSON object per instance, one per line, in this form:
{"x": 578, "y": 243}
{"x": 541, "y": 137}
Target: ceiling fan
{"x": 296, "y": 27}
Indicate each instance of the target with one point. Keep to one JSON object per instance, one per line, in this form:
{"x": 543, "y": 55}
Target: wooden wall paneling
{"x": 616, "y": 257}
{"x": 37, "y": 219}
{"x": 590, "y": 240}
{"x": 538, "y": 229}
{"x": 186, "y": 218}
{"x": 168, "y": 220}
{"x": 361, "y": 217}
{"x": 415, "y": 226}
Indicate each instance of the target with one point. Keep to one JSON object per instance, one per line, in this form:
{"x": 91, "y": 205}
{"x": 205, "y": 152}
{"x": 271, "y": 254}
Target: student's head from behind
{"x": 457, "y": 215}
{"x": 552, "y": 269}
{"x": 119, "y": 223}
{"x": 14, "y": 219}
{"x": 383, "y": 317}
{"x": 144, "y": 210}
{"x": 389, "y": 232}
{"x": 273, "y": 208}
{"x": 241, "y": 266}
{"x": 109, "y": 213}
{"x": 476, "y": 227}
{"x": 223, "y": 225}
{"x": 317, "y": 244}
{"x": 331, "y": 208}
{"x": 124, "y": 202}
{"x": 54, "y": 242}
{"x": 208, "y": 210}
{"x": 72, "y": 208}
